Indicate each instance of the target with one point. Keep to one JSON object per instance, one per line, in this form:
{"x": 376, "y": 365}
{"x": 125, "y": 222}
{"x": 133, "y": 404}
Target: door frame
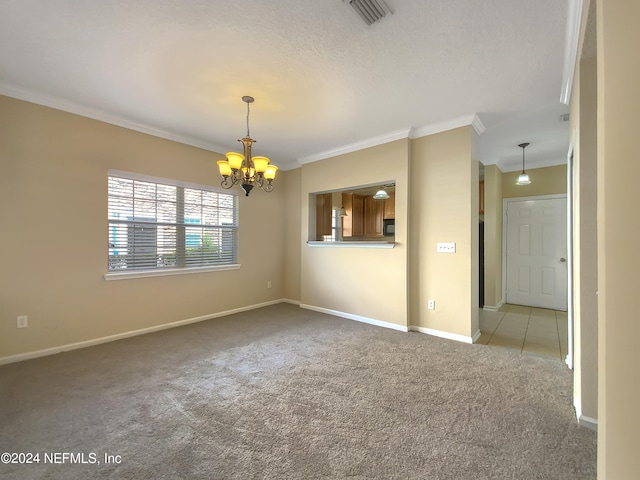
{"x": 505, "y": 204}
{"x": 570, "y": 203}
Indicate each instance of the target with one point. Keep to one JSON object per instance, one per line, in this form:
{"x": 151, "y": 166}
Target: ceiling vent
{"x": 371, "y": 11}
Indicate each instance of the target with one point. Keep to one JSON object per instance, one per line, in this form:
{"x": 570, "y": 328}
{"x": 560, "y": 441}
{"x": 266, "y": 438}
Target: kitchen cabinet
{"x": 390, "y": 207}
{"x": 364, "y": 216}
{"x": 323, "y": 215}
{"x": 373, "y": 213}
{"x": 353, "y": 223}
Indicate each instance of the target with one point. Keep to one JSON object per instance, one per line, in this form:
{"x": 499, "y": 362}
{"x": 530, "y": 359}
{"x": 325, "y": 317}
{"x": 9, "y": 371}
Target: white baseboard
{"x": 588, "y": 422}
{"x": 491, "y": 308}
{"x": 447, "y": 335}
{"x": 476, "y": 336}
{"x": 119, "y": 336}
{"x": 357, "y": 318}
{"x": 292, "y": 302}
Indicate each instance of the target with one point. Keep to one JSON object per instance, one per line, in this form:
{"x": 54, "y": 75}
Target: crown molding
{"x": 77, "y": 109}
{"x": 354, "y": 147}
{"x": 410, "y": 133}
{"x": 477, "y": 125}
{"x": 572, "y": 39}
{"x": 449, "y": 125}
{"x": 531, "y": 165}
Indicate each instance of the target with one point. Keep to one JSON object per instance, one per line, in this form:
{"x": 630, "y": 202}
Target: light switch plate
{"x": 446, "y": 248}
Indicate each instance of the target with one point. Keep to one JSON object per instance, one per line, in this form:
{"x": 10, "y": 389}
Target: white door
{"x": 536, "y": 252}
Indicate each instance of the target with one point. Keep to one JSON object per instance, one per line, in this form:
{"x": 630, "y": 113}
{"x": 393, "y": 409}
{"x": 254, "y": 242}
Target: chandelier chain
{"x": 248, "y": 136}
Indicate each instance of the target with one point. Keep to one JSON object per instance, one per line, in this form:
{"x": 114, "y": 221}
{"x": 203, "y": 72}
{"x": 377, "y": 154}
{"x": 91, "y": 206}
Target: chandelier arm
{"x": 268, "y": 187}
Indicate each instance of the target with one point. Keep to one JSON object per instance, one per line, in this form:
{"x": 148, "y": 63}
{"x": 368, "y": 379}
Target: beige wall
{"x": 618, "y": 231}
{"x": 544, "y": 181}
{"x": 53, "y": 202}
{"x": 585, "y": 273}
{"x": 292, "y": 233}
{"x": 492, "y": 236}
{"x": 365, "y": 282}
{"x": 444, "y": 208}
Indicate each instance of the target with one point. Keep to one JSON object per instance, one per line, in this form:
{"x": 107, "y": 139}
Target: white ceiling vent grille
{"x": 370, "y": 11}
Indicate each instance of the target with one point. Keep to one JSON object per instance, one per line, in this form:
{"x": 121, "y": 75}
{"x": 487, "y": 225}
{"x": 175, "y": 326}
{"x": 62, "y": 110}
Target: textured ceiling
{"x": 322, "y": 78}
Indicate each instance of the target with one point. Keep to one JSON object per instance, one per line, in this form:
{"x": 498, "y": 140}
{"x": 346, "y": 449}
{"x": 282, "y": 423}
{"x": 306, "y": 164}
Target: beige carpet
{"x": 284, "y": 393}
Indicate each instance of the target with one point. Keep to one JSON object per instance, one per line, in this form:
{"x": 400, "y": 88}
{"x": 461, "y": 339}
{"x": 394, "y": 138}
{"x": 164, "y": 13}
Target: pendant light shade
{"x": 381, "y": 195}
{"x": 523, "y": 178}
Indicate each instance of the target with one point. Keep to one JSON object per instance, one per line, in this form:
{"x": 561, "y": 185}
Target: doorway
{"x": 535, "y": 269}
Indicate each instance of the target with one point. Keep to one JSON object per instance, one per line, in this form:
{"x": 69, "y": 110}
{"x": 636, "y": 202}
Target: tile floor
{"x": 534, "y": 331}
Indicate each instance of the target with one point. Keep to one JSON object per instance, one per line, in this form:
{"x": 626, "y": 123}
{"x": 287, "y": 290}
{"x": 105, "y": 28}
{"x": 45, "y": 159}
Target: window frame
{"x": 120, "y": 274}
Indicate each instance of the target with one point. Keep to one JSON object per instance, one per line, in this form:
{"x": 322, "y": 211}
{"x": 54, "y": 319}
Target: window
{"x": 158, "y": 224}
{"x": 335, "y": 227}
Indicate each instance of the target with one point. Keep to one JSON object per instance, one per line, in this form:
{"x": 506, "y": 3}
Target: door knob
{"x": 563, "y": 260}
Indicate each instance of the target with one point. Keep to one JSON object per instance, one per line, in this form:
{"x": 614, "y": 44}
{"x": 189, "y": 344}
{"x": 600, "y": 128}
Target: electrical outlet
{"x": 269, "y": 284}
{"x": 22, "y": 321}
{"x": 446, "y": 248}
{"x": 431, "y": 304}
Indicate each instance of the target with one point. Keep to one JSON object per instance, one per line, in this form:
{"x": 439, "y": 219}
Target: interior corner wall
{"x": 618, "y": 196}
{"x": 585, "y": 244}
{"x": 444, "y": 208}
{"x": 363, "y": 282}
{"x": 53, "y": 202}
{"x": 292, "y": 233}
{"x": 492, "y": 236}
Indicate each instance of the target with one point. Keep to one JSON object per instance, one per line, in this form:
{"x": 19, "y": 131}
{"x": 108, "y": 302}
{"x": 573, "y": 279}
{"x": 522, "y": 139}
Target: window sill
{"x": 358, "y": 244}
{"x": 124, "y": 275}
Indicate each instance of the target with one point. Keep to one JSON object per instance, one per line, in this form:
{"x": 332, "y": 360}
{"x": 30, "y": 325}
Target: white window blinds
{"x": 160, "y": 224}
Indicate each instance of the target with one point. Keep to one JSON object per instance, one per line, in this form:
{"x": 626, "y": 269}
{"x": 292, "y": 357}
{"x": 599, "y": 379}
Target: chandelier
{"x": 244, "y": 169}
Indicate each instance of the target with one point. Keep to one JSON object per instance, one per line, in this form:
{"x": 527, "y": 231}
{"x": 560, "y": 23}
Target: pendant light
{"x": 381, "y": 195}
{"x": 523, "y": 178}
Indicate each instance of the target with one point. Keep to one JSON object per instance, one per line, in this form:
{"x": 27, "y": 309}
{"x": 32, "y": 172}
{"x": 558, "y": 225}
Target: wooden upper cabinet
{"x": 364, "y": 216}
{"x": 481, "y": 191}
{"x": 323, "y": 215}
{"x": 373, "y": 213}
{"x": 353, "y": 223}
{"x": 390, "y": 207}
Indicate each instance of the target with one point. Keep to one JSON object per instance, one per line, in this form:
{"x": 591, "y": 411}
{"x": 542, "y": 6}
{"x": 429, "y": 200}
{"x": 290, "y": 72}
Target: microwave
{"x": 389, "y": 227}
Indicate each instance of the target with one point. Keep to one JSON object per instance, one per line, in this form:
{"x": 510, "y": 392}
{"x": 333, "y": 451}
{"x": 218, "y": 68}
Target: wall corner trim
{"x": 357, "y": 318}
